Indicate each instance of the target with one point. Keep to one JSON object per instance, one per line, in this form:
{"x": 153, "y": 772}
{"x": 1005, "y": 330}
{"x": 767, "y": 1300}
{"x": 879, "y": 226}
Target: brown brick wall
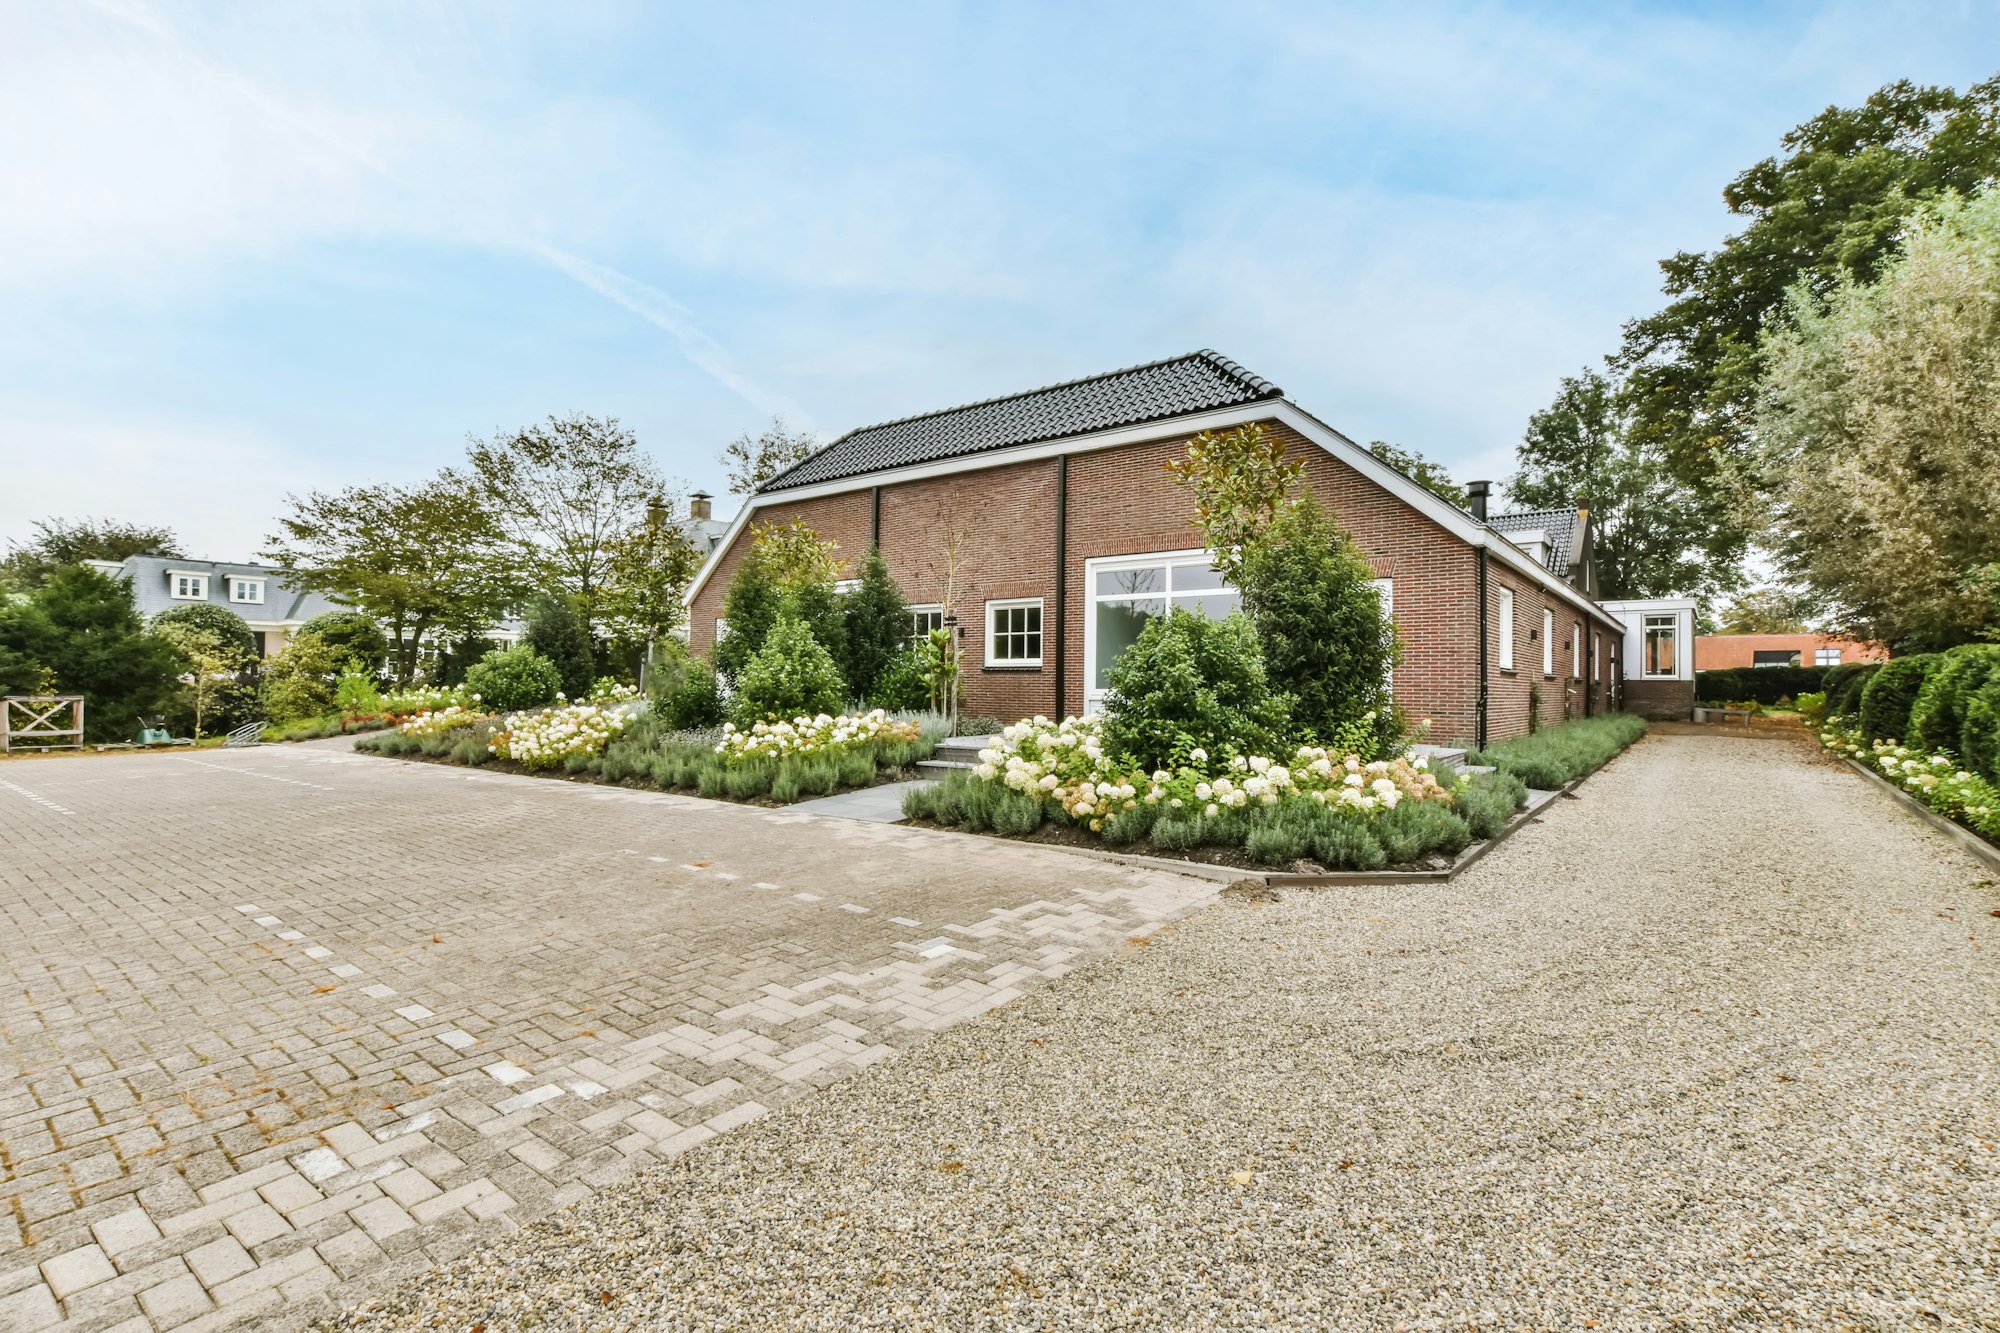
{"x": 1123, "y": 502}
{"x": 1661, "y": 700}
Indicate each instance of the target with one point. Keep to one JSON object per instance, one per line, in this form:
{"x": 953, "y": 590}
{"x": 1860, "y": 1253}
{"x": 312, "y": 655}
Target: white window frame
{"x": 842, "y": 587}
{"x": 1826, "y": 657}
{"x": 1093, "y": 698}
{"x": 1597, "y": 657}
{"x": 1670, "y": 621}
{"x": 1040, "y": 631}
{"x": 197, "y": 583}
{"x": 1386, "y": 590}
{"x": 1548, "y": 643}
{"x": 1575, "y": 651}
{"x": 1506, "y": 629}
{"x": 238, "y": 585}
{"x": 932, "y": 611}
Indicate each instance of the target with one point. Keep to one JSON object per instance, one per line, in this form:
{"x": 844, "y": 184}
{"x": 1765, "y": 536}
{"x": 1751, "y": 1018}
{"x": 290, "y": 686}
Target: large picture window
{"x": 1659, "y": 644}
{"x": 1014, "y": 633}
{"x": 1127, "y": 591}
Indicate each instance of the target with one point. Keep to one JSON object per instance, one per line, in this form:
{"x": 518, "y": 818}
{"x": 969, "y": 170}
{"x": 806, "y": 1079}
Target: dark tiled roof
{"x": 1561, "y": 526}
{"x": 1179, "y": 386}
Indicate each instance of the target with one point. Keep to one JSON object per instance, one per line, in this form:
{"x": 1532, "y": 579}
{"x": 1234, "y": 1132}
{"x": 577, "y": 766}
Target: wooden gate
{"x": 32, "y": 722}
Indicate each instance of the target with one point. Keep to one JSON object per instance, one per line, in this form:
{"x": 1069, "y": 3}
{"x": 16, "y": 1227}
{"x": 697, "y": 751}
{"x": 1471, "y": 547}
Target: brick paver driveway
{"x": 281, "y": 1025}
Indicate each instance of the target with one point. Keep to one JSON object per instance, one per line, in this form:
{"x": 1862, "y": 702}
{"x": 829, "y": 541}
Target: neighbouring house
{"x": 1720, "y": 652}
{"x": 1046, "y": 523}
{"x": 272, "y": 608}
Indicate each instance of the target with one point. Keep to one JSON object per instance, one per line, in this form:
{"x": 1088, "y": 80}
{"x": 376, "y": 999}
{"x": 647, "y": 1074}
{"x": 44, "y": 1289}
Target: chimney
{"x": 698, "y": 506}
{"x": 1475, "y": 496}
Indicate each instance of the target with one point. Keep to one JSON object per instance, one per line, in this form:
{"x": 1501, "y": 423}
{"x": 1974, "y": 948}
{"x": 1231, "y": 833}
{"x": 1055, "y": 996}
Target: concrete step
{"x": 1439, "y": 754}
{"x": 937, "y": 768}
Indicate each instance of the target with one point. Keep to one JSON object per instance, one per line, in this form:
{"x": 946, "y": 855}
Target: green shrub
{"x": 792, "y": 675}
{"x": 902, "y": 687}
{"x": 355, "y": 695}
{"x": 470, "y": 750}
{"x": 1345, "y": 842}
{"x": 1890, "y": 694}
{"x": 1762, "y": 685}
{"x": 1812, "y": 707}
{"x": 558, "y": 631}
{"x": 1191, "y": 683}
{"x": 1979, "y": 736}
{"x": 1938, "y": 716}
{"x": 1277, "y": 842}
{"x": 692, "y": 700}
{"x": 1419, "y": 828}
{"x": 1557, "y": 756}
{"x": 508, "y": 680}
{"x": 299, "y": 682}
{"x": 353, "y": 636}
{"x": 1326, "y": 643}
{"x": 878, "y": 631}
{"x": 1489, "y": 802}
{"x": 1846, "y": 701}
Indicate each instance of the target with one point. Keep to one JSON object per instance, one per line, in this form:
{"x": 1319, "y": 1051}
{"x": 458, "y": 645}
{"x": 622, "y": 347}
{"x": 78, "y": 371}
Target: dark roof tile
{"x": 1560, "y": 525}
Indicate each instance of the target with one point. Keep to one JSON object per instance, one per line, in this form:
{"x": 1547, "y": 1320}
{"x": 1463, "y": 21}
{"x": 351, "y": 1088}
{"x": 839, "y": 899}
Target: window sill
{"x": 1508, "y": 671}
{"x": 1012, "y": 668}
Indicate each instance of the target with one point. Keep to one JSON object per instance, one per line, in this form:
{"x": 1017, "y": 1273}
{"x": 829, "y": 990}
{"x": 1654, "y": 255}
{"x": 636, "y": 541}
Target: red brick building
{"x": 1047, "y": 522}
{"x": 1718, "y": 652}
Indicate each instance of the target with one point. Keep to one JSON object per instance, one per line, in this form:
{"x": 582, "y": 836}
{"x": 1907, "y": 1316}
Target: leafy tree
{"x": 792, "y": 675}
{"x": 1649, "y": 532}
{"x": 1190, "y": 683}
{"x": 81, "y": 628}
{"x": 417, "y": 559}
{"x": 509, "y": 679}
{"x": 354, "y": 634}
{"x": 1431, "y": 476}
{"x": 214, "y": 661}
{"x": 651, "y": 567}
{"x": 788, "y": 569}
{"x": 299, "y": 682}
{"x": 566, "y": 490}
{"x": 1241, "y": 482}
{"x": 1311, "y": 594}
{"x": 226, "y": 626}
{"x": 877, "y": 625}
{"x": 1767, "y": 611}
{"x": 559, "y": 633}
{"x": 58, "y": 542}
{"x": 749, "y": 610}
{"x": 750, "y": 463}
{"x": 1830, "y": 208}
{"x": 1879, "y": 421}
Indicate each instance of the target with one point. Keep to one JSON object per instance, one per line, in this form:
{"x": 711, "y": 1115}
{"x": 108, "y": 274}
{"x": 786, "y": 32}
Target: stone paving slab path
{"x": 280, "y": 1026}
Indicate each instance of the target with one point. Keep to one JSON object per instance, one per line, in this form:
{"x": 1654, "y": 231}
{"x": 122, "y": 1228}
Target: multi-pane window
{"x": 924, "y": 619}
{"x": 1128, "y": 591}
{"x": 188, "y": 587}
{"x": 1014, "y": 632}
{"x": 248, "y": 591}
{"x": 1826, "y": 657}
{"x": 1548, "y": 643}
{"x": 1659, "y": 644}
{"x": 1506, "y": 629}
{"x": 1576, "y": 652}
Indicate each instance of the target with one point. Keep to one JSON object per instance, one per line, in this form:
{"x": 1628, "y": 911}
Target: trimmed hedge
{"x": 1556, "y": 756}
{"x": 1844, "y": 681}
{"x": 1979, "y": 737}
{"x": 1890, "y": 694}
{"x": 1937, "y": 719}
{"x": 1764, "y": 685}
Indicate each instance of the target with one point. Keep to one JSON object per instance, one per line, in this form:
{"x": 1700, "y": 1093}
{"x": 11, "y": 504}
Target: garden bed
{"x": 1985, "y": 849}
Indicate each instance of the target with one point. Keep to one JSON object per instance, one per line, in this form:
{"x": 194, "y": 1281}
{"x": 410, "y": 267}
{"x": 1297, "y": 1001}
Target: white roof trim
{"x": 1442, "y": 512}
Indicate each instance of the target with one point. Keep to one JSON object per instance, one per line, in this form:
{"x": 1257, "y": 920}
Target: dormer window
{"x": 184, "y": 586}
{"x": 246, "y": 592}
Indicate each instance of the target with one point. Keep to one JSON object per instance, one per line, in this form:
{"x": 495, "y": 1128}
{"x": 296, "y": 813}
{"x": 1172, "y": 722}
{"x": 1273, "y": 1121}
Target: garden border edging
{"x": 1965, "y": 837}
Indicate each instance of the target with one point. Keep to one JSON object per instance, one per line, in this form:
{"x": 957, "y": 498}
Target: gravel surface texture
{"x": 1715, "y": 1045}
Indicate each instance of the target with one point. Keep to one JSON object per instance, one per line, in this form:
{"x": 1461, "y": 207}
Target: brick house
{"x": 1054, "y": 522}
{"x": 1718, "y": 652}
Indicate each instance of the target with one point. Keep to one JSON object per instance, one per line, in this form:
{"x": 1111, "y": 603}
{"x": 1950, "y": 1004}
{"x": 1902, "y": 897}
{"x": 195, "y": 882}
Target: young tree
{"x": 878, "y": 626}
{"x": 1431, "y": 476}
{"x": 652, "y": 564}
{"x": 58, "y": 542}
{"x": 558, "y": 631}
{"x": 1650, "y": 533}
{"x": 1311, "y": 594}
{"x": 565, "y": 491}
{"x": 417, "y": 559}
{"x": 80, "y": 628}
{"x": 750, "y": 463}
{"x": 1879, "y": 420}
{"x": 1767, "y": 611}
{"x": 299, "y": 682}
{"x": 788, "y": 569}
{"x": 214, "y": 663}
{"x": 1241, "y": 481}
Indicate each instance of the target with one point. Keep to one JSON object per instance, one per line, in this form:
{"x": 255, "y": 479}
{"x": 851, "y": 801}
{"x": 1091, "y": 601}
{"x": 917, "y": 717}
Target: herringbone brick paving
{"x": 279, "y": 1026}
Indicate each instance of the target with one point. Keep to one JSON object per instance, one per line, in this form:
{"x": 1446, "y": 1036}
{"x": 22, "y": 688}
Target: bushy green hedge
{"x": 1844, "y": 685}
{"x": 1334, "y": 837}
{"x": 1191, "y": 683}
{"x": 1937, "y": 718}
{"x": 1890, "y": 694}
{"x": 792, "y": 675}
{"x": 507, "y": 680}
{"x": 1979, "y": 736}
{"x": 1556, "y": 756}
{"x": 1764, "y": 685}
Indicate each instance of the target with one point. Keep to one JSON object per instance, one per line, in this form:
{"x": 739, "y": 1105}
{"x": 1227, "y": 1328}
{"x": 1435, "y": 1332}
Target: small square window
{"x": 247, "y": 591}
{"x": 1014, "y": 633}
{"x": 924, "y": 619}
{"x": 1826, "y": 657}
{"x": 188, "y": 587}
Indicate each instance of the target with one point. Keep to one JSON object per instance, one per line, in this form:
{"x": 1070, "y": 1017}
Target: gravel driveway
{"x": 1717, "y": 1044}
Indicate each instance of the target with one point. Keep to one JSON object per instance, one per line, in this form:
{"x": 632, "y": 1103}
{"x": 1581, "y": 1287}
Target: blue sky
{"x": 249, "y": 249}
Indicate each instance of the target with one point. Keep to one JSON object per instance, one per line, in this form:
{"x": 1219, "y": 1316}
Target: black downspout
{"x": 875, "y": 520}
{"x": 1062, "y": 584}
{"x": 1480, "y": 710}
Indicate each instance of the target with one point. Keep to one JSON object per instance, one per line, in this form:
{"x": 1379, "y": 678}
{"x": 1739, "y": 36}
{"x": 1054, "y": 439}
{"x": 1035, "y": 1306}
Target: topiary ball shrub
{"x": 1191, "y": 683}
{"x": 353, "y": 636}
{"x": 508, "y": 680}
{"x": 792, "y": 675}
{"x": 1890, "y": 694}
